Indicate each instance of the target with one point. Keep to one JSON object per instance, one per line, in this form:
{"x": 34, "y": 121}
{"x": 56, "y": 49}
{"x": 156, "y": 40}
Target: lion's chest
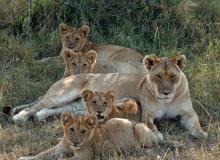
{"x": 162, "y": 111}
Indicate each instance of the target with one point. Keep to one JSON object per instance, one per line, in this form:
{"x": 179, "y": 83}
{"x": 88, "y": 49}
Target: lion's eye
{"x": 77, "y": 39}
{"x": 93, "y": 102}
{"x": 83, "y": 131}
{"x": 72, "y": 129}
{"x": 173, "y": 76}
{"x": 158, "y": 76}
{"x": 105, "y": 103}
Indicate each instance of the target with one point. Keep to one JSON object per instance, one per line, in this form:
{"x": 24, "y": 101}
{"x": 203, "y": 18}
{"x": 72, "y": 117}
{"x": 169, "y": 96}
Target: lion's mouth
{"x": 71, "y": 46}
{"x": 100, "y": 116}
{"x": 73, "y": 146}
{"x": 164, "y": 98}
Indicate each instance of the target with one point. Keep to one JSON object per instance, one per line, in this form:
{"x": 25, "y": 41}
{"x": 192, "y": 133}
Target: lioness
{"x": 75, "y": 38}
{"x": 104, "y": 106}
{"x": 82, "y": 63}
{"x": 67, "y": 90}
{"x": 83, "y": 137}
{"x": 164, "y": 93}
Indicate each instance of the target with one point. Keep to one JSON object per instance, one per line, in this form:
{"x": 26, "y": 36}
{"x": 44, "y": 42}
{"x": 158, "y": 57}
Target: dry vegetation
{"x": 156, "y": 26}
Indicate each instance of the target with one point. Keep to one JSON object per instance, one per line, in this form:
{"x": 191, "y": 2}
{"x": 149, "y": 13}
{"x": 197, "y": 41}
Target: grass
{"x": 164, "y": 27}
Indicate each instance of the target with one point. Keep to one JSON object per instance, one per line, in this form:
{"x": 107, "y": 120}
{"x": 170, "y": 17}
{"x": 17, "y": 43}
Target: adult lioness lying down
{"x": 83, "y": 138}
{"x": 76, "y": 39}
{"x": 67, "y": 90}
{"x": 82, "y": 63}
{"x": 163, "y": 92}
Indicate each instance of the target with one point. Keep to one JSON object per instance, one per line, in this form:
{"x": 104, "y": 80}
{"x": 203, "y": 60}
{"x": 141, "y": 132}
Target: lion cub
{"x": 76, "y": 39}
{"x": 104, "y": 106}
{"x": 83, "y": 63}
{"x": 83, "y": 137}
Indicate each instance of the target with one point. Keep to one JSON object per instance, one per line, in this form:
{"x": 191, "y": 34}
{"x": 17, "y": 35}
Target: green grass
{"x": 164, "y": 27}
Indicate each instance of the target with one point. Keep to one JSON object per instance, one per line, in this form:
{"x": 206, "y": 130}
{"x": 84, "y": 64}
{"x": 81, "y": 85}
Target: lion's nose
{"x": 71, "y": 45}
{"x": 99, "y": 112}
{"x": 75, "y": 143}
{"x": 166, "y": 93}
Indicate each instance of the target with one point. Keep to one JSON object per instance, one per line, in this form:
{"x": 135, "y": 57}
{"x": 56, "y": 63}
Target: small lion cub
{"x": 116, "y": 135}
{"x": 104, "y": 106}
{"x": 82, "y": 137}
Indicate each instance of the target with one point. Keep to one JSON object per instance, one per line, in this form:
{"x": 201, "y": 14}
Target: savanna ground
{"x": 164, "y": 27}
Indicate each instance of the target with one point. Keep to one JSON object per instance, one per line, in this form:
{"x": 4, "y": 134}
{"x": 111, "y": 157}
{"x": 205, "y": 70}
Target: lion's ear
{"x": 180, "y": 61}
{"x": 87, "y": 94}
{"x": 91, "y": 121}
{"x": 67, "y": 55}
{"x": 66, "y": 117}
{"x": 91, "y": 56}
{"x": 85, "y": 29}
{"x": 111, "y": 96}
{"x": 63, "y": 28}
{"x": 150, "y": 60}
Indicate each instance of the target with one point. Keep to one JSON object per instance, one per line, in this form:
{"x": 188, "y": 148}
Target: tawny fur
{"x": 76, "y": 39}
{"x": 83, "y": 137}
{"x": 67, "y": 90}
{"x": 82, "y": 63}
{"x": 104, "y": 106}
{"x": 164, "y": 93}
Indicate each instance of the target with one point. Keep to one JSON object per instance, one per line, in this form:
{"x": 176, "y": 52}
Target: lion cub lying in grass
{"x": 76, "y": 39}
{"x": 83, "y": 137}
{"x": 83, "y": 63}
{"x": 104, "y": 106}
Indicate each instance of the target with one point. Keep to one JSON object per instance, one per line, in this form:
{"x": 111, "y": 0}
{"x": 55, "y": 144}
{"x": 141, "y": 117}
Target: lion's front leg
{"x": 54, "y": 153}
{"x": 150, "y": 124}
{"x": 190, "y": 121}
{"x": 74, "y": 107}
{"x": 148, "y": 119}
{"x": 81, "y": 154}
{"x": 25, "y": 114}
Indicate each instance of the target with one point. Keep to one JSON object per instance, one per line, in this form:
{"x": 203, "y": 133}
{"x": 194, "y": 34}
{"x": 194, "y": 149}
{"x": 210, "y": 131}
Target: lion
{"x": 164, "y": 93}
{"x": 76, "y": 39}
{"x": 83, "y": 137}
{"x": 66, "y": 91}
{"x": 104, "y": 106}
{"x": 83, "y": 63}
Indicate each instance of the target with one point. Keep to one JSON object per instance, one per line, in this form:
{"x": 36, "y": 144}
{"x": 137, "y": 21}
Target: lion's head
{"x": 99, "y": 104}
{"x": 78, "y": 129}
{"x": 74, "y": 38}
{"x": 79, "y": 63}
{"x": 164, "y": 75}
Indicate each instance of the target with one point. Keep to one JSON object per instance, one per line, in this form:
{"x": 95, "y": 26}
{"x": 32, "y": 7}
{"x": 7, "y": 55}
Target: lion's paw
{"x": 26, "y": 158}
{"x": 21, "y": 117}
{"x": 199, "y": 134}
{"x": 159, "y": 136}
